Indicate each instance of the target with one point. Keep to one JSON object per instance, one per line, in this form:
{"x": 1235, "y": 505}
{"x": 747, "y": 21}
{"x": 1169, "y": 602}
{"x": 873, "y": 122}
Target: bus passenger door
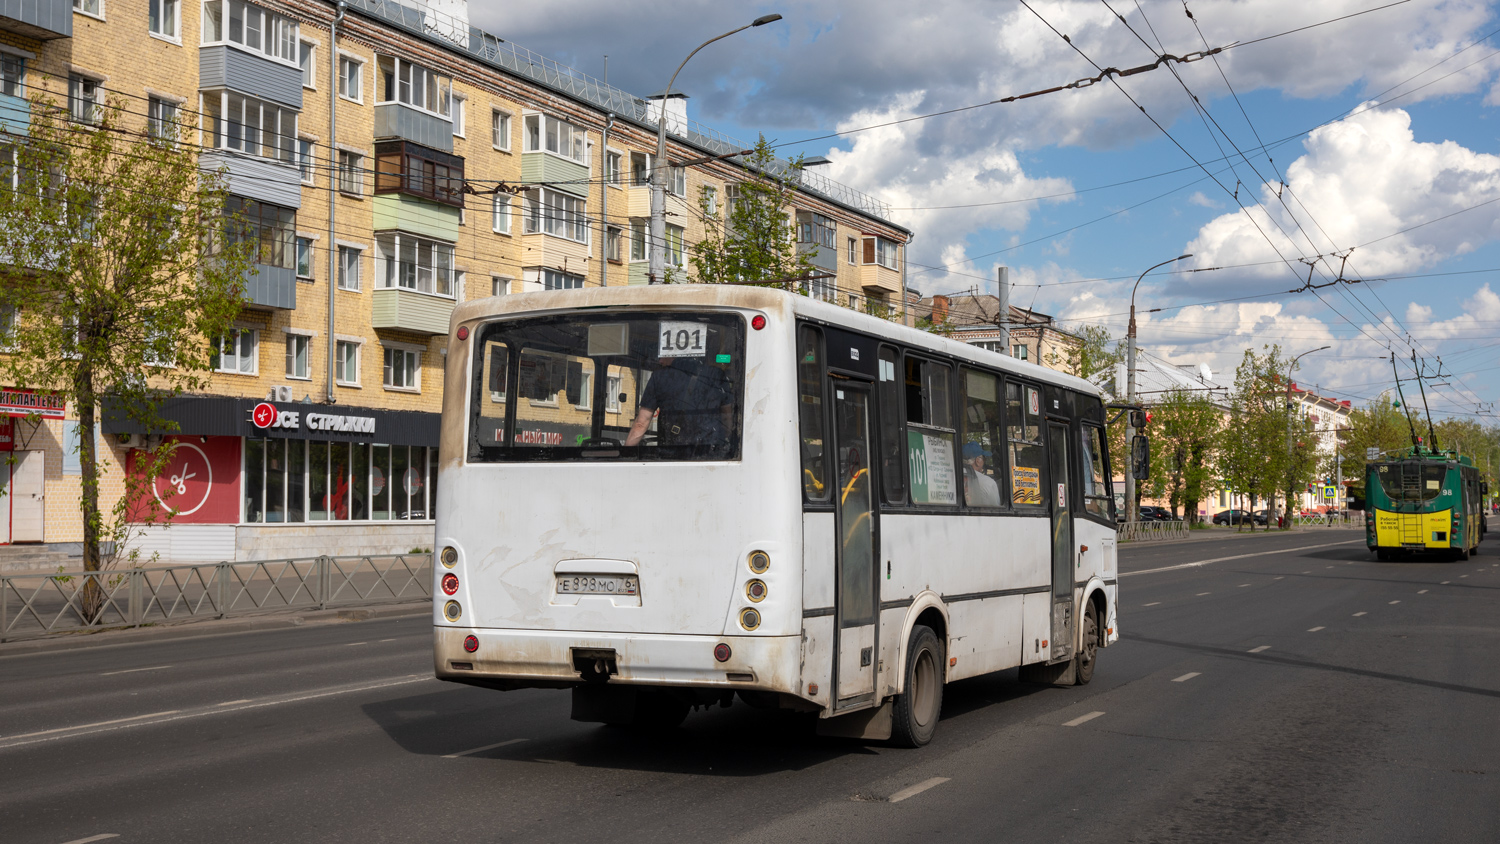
{"x": 1064, "y": 615}
{"x": 855, "y": 521}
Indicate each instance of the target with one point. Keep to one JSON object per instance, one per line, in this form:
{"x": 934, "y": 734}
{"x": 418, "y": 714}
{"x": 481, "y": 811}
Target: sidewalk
{"x": 1217, "y": 533}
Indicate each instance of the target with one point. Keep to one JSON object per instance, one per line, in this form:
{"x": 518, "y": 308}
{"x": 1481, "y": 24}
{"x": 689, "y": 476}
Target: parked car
{"x": 1264, "y": 516}
{"x": 1234, "y": 517}
{"x": 1160, "y": 514}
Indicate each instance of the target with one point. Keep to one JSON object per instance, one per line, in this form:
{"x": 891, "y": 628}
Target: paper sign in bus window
{"x": 682, "y": 340}
{"x": 1033, "y": 400}
{"x": 1026, "y": 485}
{"x": 933, "y": 480}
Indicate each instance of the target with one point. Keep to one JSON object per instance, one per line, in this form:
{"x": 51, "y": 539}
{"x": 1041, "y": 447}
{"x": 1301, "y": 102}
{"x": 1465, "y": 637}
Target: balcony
{"x": 637, "y": 201}
{"x": 271, "y": 288}
{"x": 407, "y": 310}
{"x": 257, "y": 177}
{"x": 398, "y": 212}
{"x": 223, "y": 66}
{"x": 874, "y": 278}
{"x": 15, "y": 115}
{"x": 42, "y": 20}
{"x": 825, "y": 258}
{"x": 399, "y": 120}
{"x": 560, "y": 173}
{"x": 406, "y": 168}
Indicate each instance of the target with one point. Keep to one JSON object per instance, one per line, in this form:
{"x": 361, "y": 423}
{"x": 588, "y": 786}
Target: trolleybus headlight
{"x": 757, "y": 322}
{"x": 471, "y": 643}
{"x": 452, "y": 611}
{"x": 755, "y": 590}
{"x": 759, "y": 562}
{"x": 450, "y": 583}
{"x": 749, "y": 619}
{"x": 722, "y": 652}
{"x": 450, "y": 556}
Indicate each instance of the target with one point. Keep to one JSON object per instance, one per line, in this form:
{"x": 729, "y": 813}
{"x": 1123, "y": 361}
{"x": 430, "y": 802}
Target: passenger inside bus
{"x": 980, "y": 490}
{"x": 695, "y": 401}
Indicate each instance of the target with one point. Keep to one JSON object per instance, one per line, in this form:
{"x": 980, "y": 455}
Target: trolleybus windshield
{"x": 1414, "y": 481}
{"x": 637, "y": 386}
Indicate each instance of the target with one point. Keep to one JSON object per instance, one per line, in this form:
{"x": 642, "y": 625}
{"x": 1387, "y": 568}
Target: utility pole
{"x": 1132, "y": 509}
{"x": 1002, "y": 316}
{"x": 659, "y": 168}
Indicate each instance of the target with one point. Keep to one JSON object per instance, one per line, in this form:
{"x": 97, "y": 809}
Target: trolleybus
{"x": 669, "y": 496}
{"x": 1424, "y": 503}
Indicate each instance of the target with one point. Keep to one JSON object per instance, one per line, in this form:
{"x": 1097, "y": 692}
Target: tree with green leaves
{"x": 1255, "y": 459}
{"x": 754, "y": 242}
{"x": 120, "y": 272}
{"x": 1185, "y": 430}
{"x": 1095, "y": 352}
{"x": 1380, "y": 425}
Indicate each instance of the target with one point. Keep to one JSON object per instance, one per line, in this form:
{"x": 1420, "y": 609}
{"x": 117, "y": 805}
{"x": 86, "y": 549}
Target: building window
{"x": 612, "y": 394}
{"x": 238, "y": 352}
{"x": 853, "y": 251}
{"x": 612, "y": 168}
{"x": 346, "y": 363}
{"x": 250, "y": 27}
{"x": 638, "y": 241}
{"x": 402, "y": 368}
{"x": 351, "y": 173}
{"x": 612, "y": 244}
{"x": 674, "y": 245}
{"x": 554, "y": 280}
{"x": 460, "y": 115}
{"x": 89, "y": 7}
{"x": 500, "y": 130}
{"x": 270, "y": 229}
{"x": 83, "y": 99}
{"x": 501, "y": 213}
{"x": 7, "y": 324}
{"x": 880, "y": 251}
{"x": 555, "y": 213}
{"x": 1019, "y": 352}
{"x": 402, "y": 167}
{"x": 414, "y": 263}
{"x": 296, "y": 356}
{"x": 679, "y": 181}
{"x": 499, "y": 285}
{"x": 349, "y": 268}
{"x": 12, "y": 75}
{"x": 351, "y": 73}
{"x": 307, "y": 53}
{"x": 251, "y": 126}
{"x": 161, "y": 18}
{"x": 161, "y": 118}
{"x": 640, "y": 169}
{"x": 307, "y": 161}
{"x": 289, "y": 481}
{"x": 816, "y": 229}
{"x": 543, "y": 133}
{"x": 305, "y": 258}
{"x": 414, "y": 85}
{"x": 711, "y": 200}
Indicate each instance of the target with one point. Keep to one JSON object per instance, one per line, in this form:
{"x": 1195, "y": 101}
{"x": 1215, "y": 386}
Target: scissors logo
{"x": 180, "y": 481}
{"x": 177, "y": 481}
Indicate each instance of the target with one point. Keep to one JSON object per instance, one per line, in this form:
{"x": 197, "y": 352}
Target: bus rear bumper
{"x": 521, "y": 658}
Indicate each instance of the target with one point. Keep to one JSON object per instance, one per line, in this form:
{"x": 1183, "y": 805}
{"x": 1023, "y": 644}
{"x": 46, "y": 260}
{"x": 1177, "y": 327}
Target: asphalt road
{"x": 1296, "y": 691}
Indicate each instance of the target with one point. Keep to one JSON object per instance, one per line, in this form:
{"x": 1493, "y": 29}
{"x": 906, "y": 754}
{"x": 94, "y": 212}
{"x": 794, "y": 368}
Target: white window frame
{"x": 640, "y": 236}
{"x": 358, "y": 252}
{"x": 275, "y": 31}
{"x": 410, "y": 353}
{"x": 502, "y": 210}
{"x": 711, "y": 199}
{"x": 676, "y": 245}
{"x": 174, "y": 34}
{"x": 312, "y": 250}
{"x": 678, "y": 181}
{"x": 541, "y": 214}
{"x": 1019, "y": 351}
{"x": 161, "y": 110}
{"x": 577, "y": 137}
{"x": 308, "y": 66}
{"x": 241, "y": 356}
{"x": 293, "y": 341}
{"x": 615, "y": 178}
{"x": 613, "y": 237}
{"x": 390, "y": 276}
{"x": 76, "y": 81}
{"x": 349, "y": 170}
{"x": 444, "y": 86}
{"x": 340, "y": 370}
{"x": 460, "y": 113}
{"x": 501, "y": 119}
{"x": 347, "y": 60}
{"x": 307, "y": 160}
{"x": 500, "y": 285}
{"x": 853, "y": 251}
{"x": 273, "y": 119}
{"x": 612, "y": 386}
{"x": 97, "y": 12}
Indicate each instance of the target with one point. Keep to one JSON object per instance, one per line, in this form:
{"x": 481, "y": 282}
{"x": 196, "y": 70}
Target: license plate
{"x": 597, "y": 584}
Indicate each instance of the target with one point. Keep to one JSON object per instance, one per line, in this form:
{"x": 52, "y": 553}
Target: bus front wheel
{"x": 1088, "y": 648}
{"x": 916, "y": 710}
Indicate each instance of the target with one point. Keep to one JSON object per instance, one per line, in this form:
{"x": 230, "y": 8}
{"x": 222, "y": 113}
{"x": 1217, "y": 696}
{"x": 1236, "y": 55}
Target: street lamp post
{"x": 659, "y": 169}
{"x": 1132, "y": 510}
{"x": 1289, "y": 368}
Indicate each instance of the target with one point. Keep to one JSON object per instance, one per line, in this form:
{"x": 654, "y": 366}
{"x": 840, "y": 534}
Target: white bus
{"x": 663, "y": 497}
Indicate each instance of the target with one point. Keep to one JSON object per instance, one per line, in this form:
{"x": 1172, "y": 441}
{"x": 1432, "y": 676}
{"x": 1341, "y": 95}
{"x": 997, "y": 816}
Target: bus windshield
{"x": 637, "y": 386}
{"x": 1412, "y": 481}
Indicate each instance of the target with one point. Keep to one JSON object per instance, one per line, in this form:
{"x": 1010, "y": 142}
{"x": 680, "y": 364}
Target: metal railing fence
{"x": 39, "y": 604}
{"x": 1150, "y": 531}
{"x": 1347, "y": 520}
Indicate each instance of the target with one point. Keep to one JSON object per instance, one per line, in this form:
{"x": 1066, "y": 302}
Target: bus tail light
{"x": 757, "y": 322}
{"x": 450, "y": 583}
{"x": 749, "y": 619}
{"x": 452, "y": 611}
{"x": 759, "y": 562}
{"x": 755, "y": 590}
{"x": 471, "y": 644}
{"x": 722, "y": 652}
{"x": 463, "y": 332}
{"x": 450, "y": 557}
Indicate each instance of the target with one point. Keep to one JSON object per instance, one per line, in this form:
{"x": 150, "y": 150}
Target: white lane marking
{"x": 914, "y": 790}
{"x": 1445, "y": 583}
{"x": 1360, "y": 613}
{"x": 1421, "y": 591}
{"x": 91, "y": 726}
{"x": 1186, "y": 677}
{"x": 1278, "y": 577}
{"x": 1395, "y": 602}
{"x": 1315, "y": 629}
{"x": 1462, "y": 576}
{"x": 133, "y": 670}
{"x": 383, "y": 641}
{"x": 1083, "y": 719}
{"x": 1257, "y": 650}
{"x": 92, "y": 838}
{"x": 1329, "y": 567}
{"x": 1242, "y": 586}
{"x": 1201, "y": 594}
{"x": 352, "y": 644}
{"x": 1307, "y": 572}
{"x": 233, "y": 702}
{"x": 1238, "y": 557}
{"x": 1152, "y": 604}
{"x": 178, "y": 715}
{"x": 483, "y": 749}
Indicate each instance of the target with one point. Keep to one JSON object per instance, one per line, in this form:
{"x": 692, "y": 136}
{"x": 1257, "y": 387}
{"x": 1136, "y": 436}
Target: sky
{"x": 1268, "y": 162}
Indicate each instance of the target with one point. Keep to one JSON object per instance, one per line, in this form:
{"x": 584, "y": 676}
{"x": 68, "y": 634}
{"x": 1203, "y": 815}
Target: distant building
{"x": 973, "y": 319}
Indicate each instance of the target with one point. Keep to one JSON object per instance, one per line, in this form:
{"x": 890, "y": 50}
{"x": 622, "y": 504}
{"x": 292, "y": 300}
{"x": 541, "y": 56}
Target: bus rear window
{"x": 637, "y": 386}
{"x": 1412, "y": 481}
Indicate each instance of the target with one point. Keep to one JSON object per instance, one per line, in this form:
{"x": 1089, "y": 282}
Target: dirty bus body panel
{"x": 796, "y": 505}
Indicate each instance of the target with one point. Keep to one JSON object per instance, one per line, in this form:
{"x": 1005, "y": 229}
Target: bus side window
{"x": 1096, "y": 497}
{"x": 892, "y": 436}
{"x": 929, "y": 437}
{"x": 981, "y": 439}
{"x": 1026, "y": 454}
{"x": 810, "y": 412}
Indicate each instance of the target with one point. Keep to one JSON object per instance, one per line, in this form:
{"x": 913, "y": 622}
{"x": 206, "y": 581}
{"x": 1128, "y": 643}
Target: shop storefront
{"x": 23, "y": 461}
{"x": 260, "y": 480}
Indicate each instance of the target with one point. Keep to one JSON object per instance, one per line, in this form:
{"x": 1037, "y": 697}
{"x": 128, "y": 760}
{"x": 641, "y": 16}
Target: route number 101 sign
{"x": 682, "y": 340}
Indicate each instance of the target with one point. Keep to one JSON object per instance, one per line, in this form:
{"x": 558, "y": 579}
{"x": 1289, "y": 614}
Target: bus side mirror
{"x": 1140, "y": 458}
{"x": 1137, "y": 419}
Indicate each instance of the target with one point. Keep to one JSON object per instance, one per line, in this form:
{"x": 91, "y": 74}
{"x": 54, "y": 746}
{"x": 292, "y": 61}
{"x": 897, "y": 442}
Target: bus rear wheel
{"x": 915, "y": 714}
{"x": 1088, "y": 648}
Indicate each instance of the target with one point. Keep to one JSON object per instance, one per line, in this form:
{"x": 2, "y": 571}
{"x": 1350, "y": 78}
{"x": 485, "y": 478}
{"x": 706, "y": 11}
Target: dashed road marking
{"x": 93, "y": 725}
{"x": 1421, "y": 591}
{"x": 1242, "y": 586}
{"x": 483, "y": 749}
{"x": 1395, "y": 602}
{"x": 1279, "y": 577}
{"x": 233, "y": 702}
{"x": 1152, "y": 604}
{"x": 1445, "y": 583}
{"x": 1360, "y": 613}
{"x": 1462, "y": 576}
{"x": 352, "y": 644}
{"x": 92, "y": 838}
{"x": 1186, "y": 677}
{"x": 1201, "y": 594}
{"x": 1237, "y": 557}
{"x": 1082, "y": 719}
{"x": 1307, "y": 572}
{"x": 1257, "y": 650}
{"x": 1315, "y": 629}
{"x": 133, "y": 670}
{"x": 914, "y": 790}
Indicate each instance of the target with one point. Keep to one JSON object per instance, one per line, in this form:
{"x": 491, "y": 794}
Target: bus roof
{"x": 757, "y": 298}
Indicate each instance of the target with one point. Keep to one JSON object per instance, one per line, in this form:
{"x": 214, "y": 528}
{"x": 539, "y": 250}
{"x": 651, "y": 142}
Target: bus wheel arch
{"x": 927, "y": 610}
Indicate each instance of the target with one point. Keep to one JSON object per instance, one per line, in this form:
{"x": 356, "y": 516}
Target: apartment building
{"x": 974, "y": 319}
{"x": 393, "y": 160}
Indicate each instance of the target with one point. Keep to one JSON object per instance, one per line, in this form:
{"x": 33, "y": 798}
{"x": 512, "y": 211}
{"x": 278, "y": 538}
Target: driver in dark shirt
{"x": 695, "y": 401}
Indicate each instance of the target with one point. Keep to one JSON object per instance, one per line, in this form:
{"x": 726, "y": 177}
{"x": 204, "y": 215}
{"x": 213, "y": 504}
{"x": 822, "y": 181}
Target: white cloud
{"x": 1200, "y": 200}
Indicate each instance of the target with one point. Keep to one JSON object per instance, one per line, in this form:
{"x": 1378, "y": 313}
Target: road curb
{"x": 212, "y": 627}
{"x": 1214, "y": 536}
